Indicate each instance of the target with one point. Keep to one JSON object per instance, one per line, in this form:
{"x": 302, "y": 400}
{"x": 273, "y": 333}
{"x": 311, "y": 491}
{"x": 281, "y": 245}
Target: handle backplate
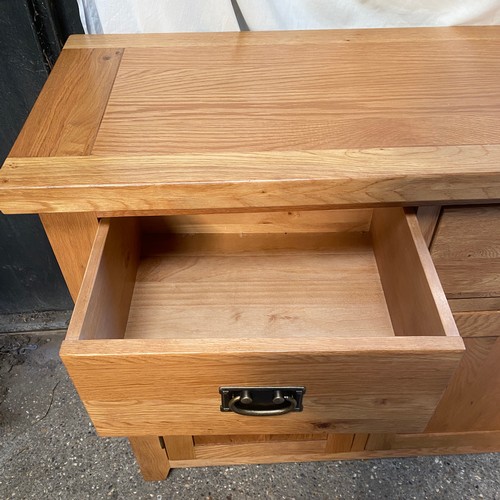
{"x": 261, "y": 401}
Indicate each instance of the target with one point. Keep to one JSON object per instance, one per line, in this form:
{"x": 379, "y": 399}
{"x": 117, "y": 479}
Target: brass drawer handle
{"x": 262, "y": 401}
{"x": 233, "y": 406}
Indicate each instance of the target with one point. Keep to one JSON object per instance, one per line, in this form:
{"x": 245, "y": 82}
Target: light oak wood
{"x": 69, "y": 110}
{"x": 338, "y": 443}
{"x": 354, "y": 383}
{"x": 447, "y": 443}
{"x": 245, "y": 245}
{"x": 71, "y": 237}
{"x": 440, "y": 443}
{"x": 102, "y": 307}
{"x": 151, "y": 457}
{"x": 64, "y": 122}
{"x": 478, "y": 324}
{"x": 391, "y": 345}
{"x": 414, "y": 295}
{"x": 380, "y": 441}
{"x": 179, "y": 447}
{"x": 402, "y": 445}
{"x": 391, "y": 385}
{"x": 475, "y": 304}
{"x": 257, "y": 452}
{"x": 472, "y": 399}
{"x": 277, "y": 97}
{"x": 268, "y": 122}
{"x": 313, "y": 221}
{"x": 466, "y": 251}
{"x": 461, "y": 34}
{"x": 285, "y": 294}
{"x": 255, "y": 438}
{"x": 359, "y": 441}
{"x": 289, "y": 292}
{"x": 428, "y": 217}
{"x": 215, "y": 182}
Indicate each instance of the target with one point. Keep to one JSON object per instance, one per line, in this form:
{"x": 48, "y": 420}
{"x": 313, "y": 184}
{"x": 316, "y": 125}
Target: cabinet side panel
{"x": 471, "y": 401}
{"x": 71, "y": 237}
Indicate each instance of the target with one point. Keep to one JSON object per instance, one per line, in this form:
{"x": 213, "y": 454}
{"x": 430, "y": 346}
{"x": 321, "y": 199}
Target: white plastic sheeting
{"x": 328, "y": 14}
{"x": 157, "y": 16}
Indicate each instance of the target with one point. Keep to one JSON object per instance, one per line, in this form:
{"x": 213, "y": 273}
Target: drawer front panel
{"x": 478, "y": 323}
{"x": 477, "y": 317}
{"x": 466, "y": 251}
{"x": 393, "y": 390}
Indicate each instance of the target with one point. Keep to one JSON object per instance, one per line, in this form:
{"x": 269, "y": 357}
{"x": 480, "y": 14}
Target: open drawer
{"x": 346, "y": 304}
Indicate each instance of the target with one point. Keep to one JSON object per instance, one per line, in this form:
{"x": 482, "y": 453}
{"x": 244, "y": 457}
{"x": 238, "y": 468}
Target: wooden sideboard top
{"x": 262, "y": 120}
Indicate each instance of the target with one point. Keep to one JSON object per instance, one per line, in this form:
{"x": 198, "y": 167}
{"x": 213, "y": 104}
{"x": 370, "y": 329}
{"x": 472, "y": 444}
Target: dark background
{"x": 32, "y": 32}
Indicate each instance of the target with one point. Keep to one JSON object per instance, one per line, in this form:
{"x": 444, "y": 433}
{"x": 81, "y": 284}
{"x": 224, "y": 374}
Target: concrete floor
{"x": 49, "y": 449}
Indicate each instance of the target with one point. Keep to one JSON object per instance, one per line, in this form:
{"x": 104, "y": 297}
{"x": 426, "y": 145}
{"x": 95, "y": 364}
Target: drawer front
{"x": 478, "y": 323}
{"x": 466, "y": 251}
{"x": 145, "y": 394}
{"x": 477, "y": 317}
{"x": 356, "y": 380}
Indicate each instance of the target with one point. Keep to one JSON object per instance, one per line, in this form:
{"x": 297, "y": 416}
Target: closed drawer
{"x": 466, "y": 251}
{"x": 346, "y": 304}
{"x": 484, "y": 322}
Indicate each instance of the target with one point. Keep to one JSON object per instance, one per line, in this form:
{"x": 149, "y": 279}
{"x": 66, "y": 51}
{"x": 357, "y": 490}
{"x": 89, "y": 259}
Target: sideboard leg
{"x": 71, "y": 236}
{"x": 151, "y": 457}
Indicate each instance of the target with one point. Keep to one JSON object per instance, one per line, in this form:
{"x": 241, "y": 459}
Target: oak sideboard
{"x": 282, "y": 246}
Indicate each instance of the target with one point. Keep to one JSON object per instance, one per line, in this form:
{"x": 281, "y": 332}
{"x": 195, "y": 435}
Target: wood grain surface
{"x": 290, "y": 292}
{"x": 151, "y": 457}
{"x": 337, "y": 443}
{"x": 255, "y": 438}
{"x": 428, "y": 218}
{"x": 264, "y": 121}
{"x": 414, "y": 296}
{"x": 478, "y": 323}
{"x": 69, "y": 110}
{"x": 179, "y": 447}
{"x": 145, "y": 394}
{"x": 64, "y": 122}
{"x": 472, "y": 399}
{"x": 333, "y": 118}
{"x": 475, "y": 304}
{"x": 460, "y": 34}
{"x": 71, "y": 237}
{"x": 356, "y": 382}
{"x": 312, "y": 221}
{"x": 102, "y": 307}
{"x": 466, "y": 251}
{"x": 245, "y": 181}
{"x": 313, "y": 95}
{"x": 397, "y": 445}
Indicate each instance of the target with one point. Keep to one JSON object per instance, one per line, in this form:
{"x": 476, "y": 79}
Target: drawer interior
{"x": 258, "y": 285}
{"x": 329, "y": 274}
